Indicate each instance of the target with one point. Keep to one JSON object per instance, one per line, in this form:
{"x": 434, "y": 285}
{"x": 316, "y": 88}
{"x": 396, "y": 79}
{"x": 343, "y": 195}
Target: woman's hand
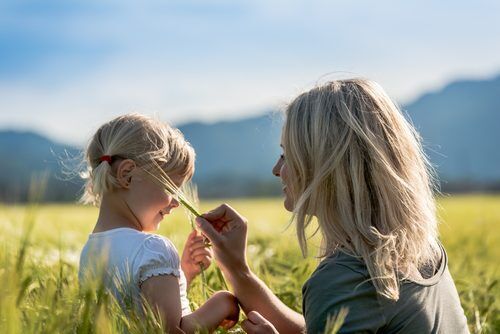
{"x": 227, "y": 230}
{"x": 196, "y": 254}
{"x": 257, "y": 324}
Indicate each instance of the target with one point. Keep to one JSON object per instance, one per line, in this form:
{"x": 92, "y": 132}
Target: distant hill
{"x": 460, "y": 125}
{"x": 236, "y": 158}
{"x": 26, "y": 154}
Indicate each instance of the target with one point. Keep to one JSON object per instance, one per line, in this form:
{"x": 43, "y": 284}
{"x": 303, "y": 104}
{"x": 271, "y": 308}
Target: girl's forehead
{"x": 177, "y": 179}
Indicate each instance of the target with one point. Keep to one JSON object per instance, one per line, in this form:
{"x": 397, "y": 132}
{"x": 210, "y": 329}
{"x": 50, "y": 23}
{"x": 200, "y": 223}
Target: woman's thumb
{"x": 207, "y": 229}
{"x": 256, "y": 318}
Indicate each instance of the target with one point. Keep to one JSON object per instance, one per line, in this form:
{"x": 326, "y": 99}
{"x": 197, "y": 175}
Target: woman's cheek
{"x": 288, "y": 203}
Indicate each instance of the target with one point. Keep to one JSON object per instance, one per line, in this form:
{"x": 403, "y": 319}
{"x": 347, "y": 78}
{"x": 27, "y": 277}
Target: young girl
{"x": 138, "y": 265}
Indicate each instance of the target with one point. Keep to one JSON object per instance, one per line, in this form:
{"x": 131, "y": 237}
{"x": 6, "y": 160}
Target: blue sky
{"x": 66, "y": 67}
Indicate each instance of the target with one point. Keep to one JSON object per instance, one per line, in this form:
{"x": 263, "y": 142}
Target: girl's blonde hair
{"x": 357, "y": 165}
{"x": 145, "y": 140}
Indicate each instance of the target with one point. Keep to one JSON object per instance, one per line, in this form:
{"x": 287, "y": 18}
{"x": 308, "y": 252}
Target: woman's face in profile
{"x": 280, "y": 170}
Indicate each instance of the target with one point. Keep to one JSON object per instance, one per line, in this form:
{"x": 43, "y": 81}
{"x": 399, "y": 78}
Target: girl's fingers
{"x": 200, "y": 245}
{"x": 193, "y": 234}
{"x": 198, "y": 256}
{"x": 200, "y": 250}
{"x": 205, "y": 260}
{"x": 197, "y": 240}
{"x": 228, "y": 324}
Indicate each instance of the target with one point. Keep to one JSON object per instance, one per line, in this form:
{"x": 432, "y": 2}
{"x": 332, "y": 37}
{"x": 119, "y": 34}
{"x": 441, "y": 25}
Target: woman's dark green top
{"x": 430, "y": 305}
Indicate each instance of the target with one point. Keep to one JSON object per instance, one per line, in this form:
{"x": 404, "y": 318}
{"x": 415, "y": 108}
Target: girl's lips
{"x": 165, "y": 212}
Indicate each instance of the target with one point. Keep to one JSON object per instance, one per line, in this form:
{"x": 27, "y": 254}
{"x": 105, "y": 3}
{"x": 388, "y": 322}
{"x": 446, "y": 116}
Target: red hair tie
{"x": 106, "y": 158}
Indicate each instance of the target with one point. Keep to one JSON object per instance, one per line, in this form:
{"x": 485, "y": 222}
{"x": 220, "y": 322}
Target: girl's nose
{"x": 174, "y": 203}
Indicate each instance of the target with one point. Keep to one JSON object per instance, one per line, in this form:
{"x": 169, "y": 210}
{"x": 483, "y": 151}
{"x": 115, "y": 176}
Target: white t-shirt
{"x": 125, "y": 258}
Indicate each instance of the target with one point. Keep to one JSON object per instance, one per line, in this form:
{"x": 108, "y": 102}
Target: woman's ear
{"x": 124, "y": 172}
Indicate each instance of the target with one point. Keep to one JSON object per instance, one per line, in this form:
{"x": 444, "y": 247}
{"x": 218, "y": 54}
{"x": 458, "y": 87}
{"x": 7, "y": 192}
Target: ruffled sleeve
{"x": 157, "y": 256}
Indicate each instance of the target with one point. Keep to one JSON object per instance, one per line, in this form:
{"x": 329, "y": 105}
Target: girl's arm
{"x": 162, "y": 293}
{"x": 219, "y": 310}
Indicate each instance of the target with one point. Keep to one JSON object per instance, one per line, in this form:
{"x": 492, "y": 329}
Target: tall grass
{"x": 39, "y": 247}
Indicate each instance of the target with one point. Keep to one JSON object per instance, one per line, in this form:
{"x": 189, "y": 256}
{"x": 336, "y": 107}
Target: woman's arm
{"x": 254, "y": 295}
{"x": 227, "y": 230}
{"x": 162, "y": 293}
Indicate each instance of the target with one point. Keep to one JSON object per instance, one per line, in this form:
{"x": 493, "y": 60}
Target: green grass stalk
{"x": 161, "y": 178}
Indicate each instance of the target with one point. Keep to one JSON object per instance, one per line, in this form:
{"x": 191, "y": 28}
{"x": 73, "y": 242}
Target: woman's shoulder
{"x": 340, "y": 281}
{"x": 341, "y": 263}
{"x": 337, "y": 277}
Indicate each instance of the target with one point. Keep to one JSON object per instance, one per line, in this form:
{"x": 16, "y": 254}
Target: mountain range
{"x": 459, "y": 124}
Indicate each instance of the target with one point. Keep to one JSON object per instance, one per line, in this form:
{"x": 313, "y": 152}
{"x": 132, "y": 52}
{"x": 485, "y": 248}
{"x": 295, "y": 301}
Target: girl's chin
{"x": 152, "y": 228}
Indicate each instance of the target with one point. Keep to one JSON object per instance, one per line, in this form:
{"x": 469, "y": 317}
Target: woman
{"x": 353, "y": 163}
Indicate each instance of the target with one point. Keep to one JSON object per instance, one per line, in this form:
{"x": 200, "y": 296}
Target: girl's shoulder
{"x": 157, "y": 256}
{"x": 158, "y": 244}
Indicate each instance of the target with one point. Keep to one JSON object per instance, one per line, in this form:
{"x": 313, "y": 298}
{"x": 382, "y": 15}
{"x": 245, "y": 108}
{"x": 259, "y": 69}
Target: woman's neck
{"x": 115, "y": 213}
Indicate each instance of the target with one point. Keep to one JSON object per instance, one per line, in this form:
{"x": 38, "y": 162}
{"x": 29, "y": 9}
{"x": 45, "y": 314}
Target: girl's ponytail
{"x": 103, "y": 180}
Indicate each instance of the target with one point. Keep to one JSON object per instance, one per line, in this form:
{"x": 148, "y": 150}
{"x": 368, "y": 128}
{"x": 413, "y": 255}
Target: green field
{"x": 40, "y": 249}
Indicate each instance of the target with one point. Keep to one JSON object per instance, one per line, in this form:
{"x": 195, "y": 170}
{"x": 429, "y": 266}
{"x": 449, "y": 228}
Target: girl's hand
{"x": 196, "y": 254}
{"x": 227, "y": 301}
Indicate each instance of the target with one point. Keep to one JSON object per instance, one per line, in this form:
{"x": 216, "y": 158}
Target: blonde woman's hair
{"x": 357, "y": 165}
{"x": 143, "y": 139}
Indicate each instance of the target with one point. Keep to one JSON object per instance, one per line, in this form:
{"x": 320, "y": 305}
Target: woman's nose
{"x": 277, "y": 168}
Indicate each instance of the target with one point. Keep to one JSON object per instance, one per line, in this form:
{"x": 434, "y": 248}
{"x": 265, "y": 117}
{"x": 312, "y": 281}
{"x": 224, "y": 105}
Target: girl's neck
{"x": 114, "y": 213}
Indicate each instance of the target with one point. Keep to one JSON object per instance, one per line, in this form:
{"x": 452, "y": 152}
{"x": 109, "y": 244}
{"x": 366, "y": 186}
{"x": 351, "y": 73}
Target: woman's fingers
{"x": 223, "y": 212}
{"x": 257, "y": 324}
{"x": 217, "y": 213}
{"x": 227, "y": 230}
{"x": 208, "y": 230}
{"x": 256, "y": 318}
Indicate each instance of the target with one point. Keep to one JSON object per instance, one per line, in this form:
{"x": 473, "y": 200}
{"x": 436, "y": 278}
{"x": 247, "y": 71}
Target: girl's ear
{"x": 124, "y": 172}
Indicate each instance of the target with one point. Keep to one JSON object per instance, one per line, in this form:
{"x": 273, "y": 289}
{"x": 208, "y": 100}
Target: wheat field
{"x": 40, "y": 246}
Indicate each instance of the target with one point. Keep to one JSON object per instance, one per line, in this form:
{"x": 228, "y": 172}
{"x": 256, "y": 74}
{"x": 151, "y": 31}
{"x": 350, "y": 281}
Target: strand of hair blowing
{"x": 359, "y": 168}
